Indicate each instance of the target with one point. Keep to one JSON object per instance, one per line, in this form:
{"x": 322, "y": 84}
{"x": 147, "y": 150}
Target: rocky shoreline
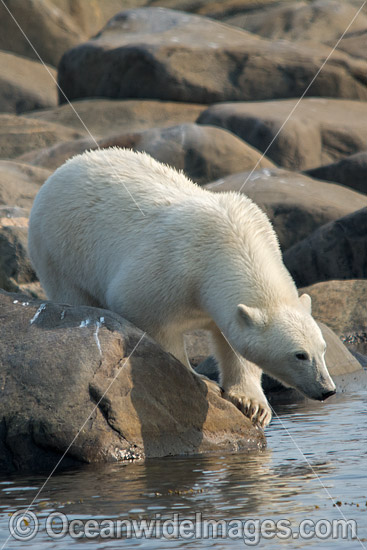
{"x": 205, "y": 87}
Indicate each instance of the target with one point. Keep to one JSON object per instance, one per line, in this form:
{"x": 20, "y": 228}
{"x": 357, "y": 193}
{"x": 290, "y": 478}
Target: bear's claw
{"x": 258, "y": 412}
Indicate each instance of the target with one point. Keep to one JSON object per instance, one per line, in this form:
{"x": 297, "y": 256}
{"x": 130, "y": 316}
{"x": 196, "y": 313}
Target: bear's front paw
{"x": 258, "y": 411}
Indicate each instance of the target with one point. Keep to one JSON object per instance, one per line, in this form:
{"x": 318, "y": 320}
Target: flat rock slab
{"x": 70, "y": 374}
{"x": 319, "y": 131}
{"x": 342, "y": 306}
{"x": 296, "y": 204}
{"x": 321, "y": 21}
{"x": 19, "y": 183}
{"x": 19, "y": 134}
{"x": 337, "y": 250}
{"x": 105, "y": 117}
{"x": 25, "y": 84}
{"x": 158, "y": 53}
{"x": 350, "y": 171}
{"x": 202, "y": 152}
{"x": 47, "y": 26}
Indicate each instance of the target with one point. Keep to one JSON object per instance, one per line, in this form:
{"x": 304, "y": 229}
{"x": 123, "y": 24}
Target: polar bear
{"x": 116, "y": 229}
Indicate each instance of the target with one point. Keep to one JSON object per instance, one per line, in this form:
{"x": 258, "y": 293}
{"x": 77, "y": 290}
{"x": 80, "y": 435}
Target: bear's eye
{"x": 302, "y": 356}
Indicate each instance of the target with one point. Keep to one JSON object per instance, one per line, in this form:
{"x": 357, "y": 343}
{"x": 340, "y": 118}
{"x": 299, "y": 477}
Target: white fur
{"x": 184, "y": 258}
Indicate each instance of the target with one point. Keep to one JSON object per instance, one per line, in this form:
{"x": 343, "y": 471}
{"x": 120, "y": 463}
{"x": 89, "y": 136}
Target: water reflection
{"x": 316, "y": 456}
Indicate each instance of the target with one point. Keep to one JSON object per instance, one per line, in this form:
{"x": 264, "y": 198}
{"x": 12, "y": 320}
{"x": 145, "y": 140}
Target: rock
{"x": 354, "y": 44}
{"x": 25, "y": 84}
{"x": 54, "y": 156}
{"x": 85, "y": 381}
{"x": 48, "y": 29}
{"x": 341, "y": 305}
{"x": 350, "y": 171}
{"x": 19, "y": 134}
{"x": 15, "y": 266}
{"x": 158, "y": 53}
{"x": 19, "y": 183}
{"x": 104, "y": 117}
{"x": 319, "y": 131}
{"x": 203, "y": 152}
{"x": 288, "y": 198}
{"x": 318, "y": 21}
{"x": 337, "y": 250}
{"x": 90, "y": 16}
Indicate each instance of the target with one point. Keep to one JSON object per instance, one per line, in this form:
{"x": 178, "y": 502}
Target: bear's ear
{"x": 305, "y": 300}
{"x": 251, "y": 315}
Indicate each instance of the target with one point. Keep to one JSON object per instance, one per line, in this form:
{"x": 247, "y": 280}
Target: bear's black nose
{"x": 328, "y": 394}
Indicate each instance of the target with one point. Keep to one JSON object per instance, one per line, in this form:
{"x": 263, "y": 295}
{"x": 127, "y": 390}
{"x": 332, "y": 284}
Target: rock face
{"x": 19, "y": 135}
{"x": 48, "y": 28}
{"x": 296, "y": 204}
{"x": 337, "y": 250}
{"x": 318, "y": 132}
{"x": 68, "y": 375}
{"x": 19, "y": 183}
{"x": 342, "y": 306}
{"x": 165, "y": 54}
{"x": 104, "y": 117}
{"x": 319, "y": 21}
{"x": 202, "y": 152}
{"x": 350, "y": 171}
{"x": 25, "y": 84}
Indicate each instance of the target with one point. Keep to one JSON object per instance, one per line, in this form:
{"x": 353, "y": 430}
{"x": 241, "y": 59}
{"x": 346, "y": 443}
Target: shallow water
{"x": 316, "y": 458}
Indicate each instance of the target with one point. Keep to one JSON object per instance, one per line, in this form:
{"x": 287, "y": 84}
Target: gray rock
{"x": 157, "y": 53}
{"x": 321, "y": 21}
{"x": 350, "y": 171}
{"x": 319, "y": 131}
{"x": 19, "y": 183}
{"x": 68, "y": 376}
{"x": 49, "y": 29}
{"x": 19, "y": 134}
{"x": 337, "y": 250}
{"x": 202, "y": 152}
{"x": 295, "y": 204}
{"x": 25, "y": 84}
{"x": 342, "y": 306}
{"x": 15, "y": 266}
{"x": 106, "y": 117}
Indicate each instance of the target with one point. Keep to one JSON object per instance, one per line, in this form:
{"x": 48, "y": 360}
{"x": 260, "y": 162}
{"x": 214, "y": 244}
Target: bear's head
{"x": 288, "y": 345}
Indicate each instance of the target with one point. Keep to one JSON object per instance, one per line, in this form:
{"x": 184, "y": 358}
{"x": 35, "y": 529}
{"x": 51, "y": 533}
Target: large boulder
{"x": 350, "y": 171}
{"x": 25, "y": 84}
{"x": 15, "y": 267}
{"x": 288, "y": 198}
{"x": 165, "y": 54}
{"x": 85, "y": 382}
{"x": 318, "y": 131}
{"x": 337, "y": 250}
{"x": 20, "y": 183}
{"x": 105, "y": 117}
{"x": 317, "y": 21}
{"x": 49, "y": 30}
{"x": 19, "y": 134}
{"x": 203, "y": 152}
{"x": 342, "y": 306}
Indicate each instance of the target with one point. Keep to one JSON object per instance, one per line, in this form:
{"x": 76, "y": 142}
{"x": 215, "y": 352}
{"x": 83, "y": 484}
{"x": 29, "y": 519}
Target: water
{"x": 316, "y": 457}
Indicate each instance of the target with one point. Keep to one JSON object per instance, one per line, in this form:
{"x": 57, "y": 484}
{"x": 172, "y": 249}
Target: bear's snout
{"x": 326, "y": 395}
